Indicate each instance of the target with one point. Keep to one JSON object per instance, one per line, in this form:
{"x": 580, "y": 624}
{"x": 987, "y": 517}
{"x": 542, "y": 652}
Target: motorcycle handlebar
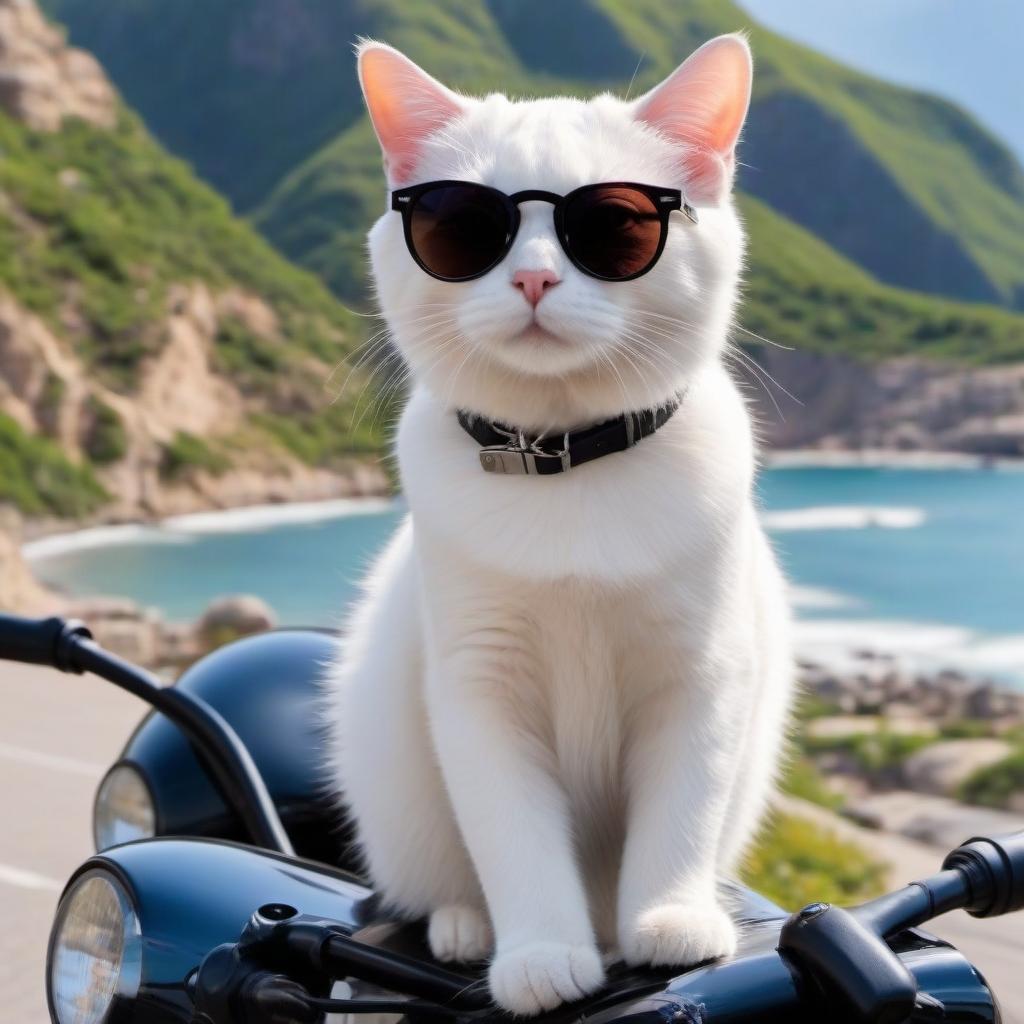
{"x": 67, "y": 645}
{"x": 41, "y": 641}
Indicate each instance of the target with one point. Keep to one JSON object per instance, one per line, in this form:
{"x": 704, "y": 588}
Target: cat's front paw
{"x": 459, "y": 932}
{"x": 538, "y": 976}
{"x": 680, "y": 935}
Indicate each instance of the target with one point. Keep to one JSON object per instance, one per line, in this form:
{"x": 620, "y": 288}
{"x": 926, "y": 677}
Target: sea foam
{"x": 185, "y": 528}
{"x": 920, "y": 646}
{"x": 819, "y": 598}
{"x": 255, "y": 518}
{"x": 98, "y": 537}
{"x": 844, "y": 517}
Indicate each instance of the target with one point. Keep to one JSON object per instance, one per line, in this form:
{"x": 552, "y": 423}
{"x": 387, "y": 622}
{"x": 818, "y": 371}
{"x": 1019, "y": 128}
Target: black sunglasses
{"x": 460, "y": 230}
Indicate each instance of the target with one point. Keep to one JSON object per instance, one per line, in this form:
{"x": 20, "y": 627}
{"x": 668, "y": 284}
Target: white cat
{"x": 557, "y": 711}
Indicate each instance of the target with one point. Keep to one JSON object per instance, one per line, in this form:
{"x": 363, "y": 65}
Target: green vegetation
{"x": 187, "y": 454}
{"x": 995, "y": 785}
{"x": 795, "y": 862}
{"x": 251, "y": 359}
{"x": 879, "y": 755}
{"x": 967, "y": 729}
{"x": 108, "y": 217}
{"x": 810, "y": 706}
{"x": 281, "y": 129}
{"x": 802, "y": 779}
{"x": 50, "y": 400}
{"x": 802, "y": 293}
{"x": 100, "y": 230}
{"x": 328, "y": 435}
{"x": 106, "y": 440}
{"x": 38, "y": 478}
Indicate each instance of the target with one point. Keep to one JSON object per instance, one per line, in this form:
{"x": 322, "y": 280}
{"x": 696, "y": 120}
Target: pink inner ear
{"x": 406, "y": 105}
{"x": 702, "y": 105}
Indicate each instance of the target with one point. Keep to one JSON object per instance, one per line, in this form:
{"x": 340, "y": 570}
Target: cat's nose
{"x": 534, "y": 283}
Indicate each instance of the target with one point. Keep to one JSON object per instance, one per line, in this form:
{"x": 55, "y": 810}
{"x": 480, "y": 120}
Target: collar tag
{"x": 516, "y": 461}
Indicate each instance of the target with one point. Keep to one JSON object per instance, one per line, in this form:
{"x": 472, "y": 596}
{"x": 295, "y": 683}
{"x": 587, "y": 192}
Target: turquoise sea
{"x": 928, "y": 563}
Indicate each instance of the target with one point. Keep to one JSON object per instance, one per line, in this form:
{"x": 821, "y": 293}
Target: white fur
{"x": 557, "y": 710}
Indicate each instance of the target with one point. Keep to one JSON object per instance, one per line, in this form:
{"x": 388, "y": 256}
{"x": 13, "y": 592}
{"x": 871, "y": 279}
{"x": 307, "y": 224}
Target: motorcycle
{"x": 225, "y": 888}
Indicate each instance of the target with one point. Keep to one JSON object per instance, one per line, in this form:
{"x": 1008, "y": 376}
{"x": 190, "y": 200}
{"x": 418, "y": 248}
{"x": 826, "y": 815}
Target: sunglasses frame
{"x": 665, "y": 200}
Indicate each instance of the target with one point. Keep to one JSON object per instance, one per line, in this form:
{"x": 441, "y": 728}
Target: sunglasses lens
{"x": 613, "y": 231}
{"x": 459, "y": 231}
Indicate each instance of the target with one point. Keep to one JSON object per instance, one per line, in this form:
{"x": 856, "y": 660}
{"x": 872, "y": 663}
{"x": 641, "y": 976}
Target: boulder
{"x": 941, "y": 768}
{"x": 122, "y": 626}
{"x": 231, "y": 617}
{"x": 930, "y": 819}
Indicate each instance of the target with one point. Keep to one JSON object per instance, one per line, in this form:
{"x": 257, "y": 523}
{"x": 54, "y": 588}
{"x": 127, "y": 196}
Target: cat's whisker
{"x": 735, "y": 325}
{"x": 451, "y": 387}
{"x": 400, "y": 377}
{"x": 384, "y": 338}
{"x": 762, "y": 377}
{"x": 736, "y": 351}
{"x": 402, "y": 372}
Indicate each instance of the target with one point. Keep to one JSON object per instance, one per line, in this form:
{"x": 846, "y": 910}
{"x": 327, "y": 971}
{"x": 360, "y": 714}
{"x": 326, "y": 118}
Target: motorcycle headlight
{"x": 124, "y": 809}
{"x": 95, "y": 950}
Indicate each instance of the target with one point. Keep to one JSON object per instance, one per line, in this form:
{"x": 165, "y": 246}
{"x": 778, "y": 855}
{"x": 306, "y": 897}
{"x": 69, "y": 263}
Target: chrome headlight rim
{"x": 120, "y": 1005}
{"x": 142, "y": 778}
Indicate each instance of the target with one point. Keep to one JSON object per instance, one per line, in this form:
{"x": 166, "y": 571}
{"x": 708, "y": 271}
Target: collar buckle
{"x": 515, "y": 460}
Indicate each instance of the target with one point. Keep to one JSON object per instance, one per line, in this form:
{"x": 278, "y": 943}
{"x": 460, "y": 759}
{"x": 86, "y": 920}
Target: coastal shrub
{"x": 995, "y": 785}
{"x": 106, "y": 440}
{"x": 878, "y": 755}
{"x": 331, "y": 434}
{"x": 810, "y": 706}
{"x": 39, "y": 479}
{"x": 50, "y": 399}
{"x": 187, "y": 454}
{"x": 247, "y": 357}
{"x": 802, "y": 779}
{"x": 795, "y": 862}
{"x": 126, "y": 225}
{"x": 967, "y": 729}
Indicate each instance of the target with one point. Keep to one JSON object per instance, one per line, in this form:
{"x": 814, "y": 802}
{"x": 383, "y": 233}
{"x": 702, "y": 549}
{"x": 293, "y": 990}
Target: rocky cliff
{"x": 156, "y": 356}
{"x": 909, "y": 404}
{"x": 43, "y": 81}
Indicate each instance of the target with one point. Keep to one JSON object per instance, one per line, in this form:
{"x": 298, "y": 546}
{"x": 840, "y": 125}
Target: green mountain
{"x": 937, "y": 203}
{"x": 155, "y": 352}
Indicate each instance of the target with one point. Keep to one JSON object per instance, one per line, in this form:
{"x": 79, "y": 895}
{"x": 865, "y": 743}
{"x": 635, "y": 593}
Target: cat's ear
{"x": 406, "y": 105}
{"x": 702, "y": 105}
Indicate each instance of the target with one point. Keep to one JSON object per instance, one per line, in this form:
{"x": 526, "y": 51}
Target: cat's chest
{"x": 600, "y": 655}
{"x": 634, "y": 515}
{"x": 582, "y": 694}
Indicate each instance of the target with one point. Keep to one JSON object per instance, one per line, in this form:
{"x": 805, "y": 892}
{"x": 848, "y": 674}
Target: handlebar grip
{"x": 851, "y": 964}
{"x": 40, "y": 641}
{"x": 994, "y": 869}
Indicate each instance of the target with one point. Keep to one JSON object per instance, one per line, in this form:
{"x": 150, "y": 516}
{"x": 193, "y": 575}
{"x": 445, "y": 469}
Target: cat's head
{"x": 536, "y": 341}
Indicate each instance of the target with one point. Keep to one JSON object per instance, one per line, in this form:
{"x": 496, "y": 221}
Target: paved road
{"x": 59, "y": 733}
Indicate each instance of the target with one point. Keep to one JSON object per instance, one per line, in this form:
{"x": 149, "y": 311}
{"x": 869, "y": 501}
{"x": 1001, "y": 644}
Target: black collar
{"x": 508, "y": 450}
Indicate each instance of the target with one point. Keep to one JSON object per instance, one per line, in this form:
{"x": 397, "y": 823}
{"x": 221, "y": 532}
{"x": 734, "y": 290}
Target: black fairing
{"x": 267, "y": 687}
